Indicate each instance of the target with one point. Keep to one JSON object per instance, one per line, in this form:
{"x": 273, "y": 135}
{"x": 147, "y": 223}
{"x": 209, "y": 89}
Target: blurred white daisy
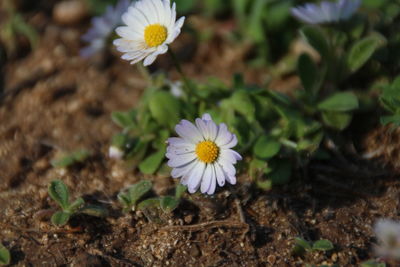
{"x": 102, "y": 28}
{"x": 202, "y": 155}
{"x": 151, "y": 26}
{"x": 326, "y": 11}
{"x": 388, "y": 234}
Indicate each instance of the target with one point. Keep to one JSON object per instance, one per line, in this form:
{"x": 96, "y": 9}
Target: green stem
{"x": 187, "y": 86}
{"x": 144, "y": 71}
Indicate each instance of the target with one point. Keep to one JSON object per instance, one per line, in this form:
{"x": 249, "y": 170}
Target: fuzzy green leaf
{"x": 58, "y": 191}
{"x": 74, "y": 157}
{"x": 124, "y": 199}
{"x": 336, "y": 120}
{"x": 5, "y": 256}
{"x": 266, "y": 147}
{"x": 395, "y": 119}
{"x": 164, "y": 108}
{"x": 138, "y": 190}
{"x": 242, "y": 103}
{"x": 124, "y": 119}
{"x": 60, "y": 218}
{"x": 149, "y": 203}
{"x": 363, "y": 50}
{"x": 150, "y": 164}
{"x": 76, "y": 205}
{"x": 346, "y": 101}
{"x": 169, "y": 203}
{"x": 180, "y": 190}
{"x": 303, "y": 243}
{"x": 94, "y": 210}
{"x": 322, "y": 245}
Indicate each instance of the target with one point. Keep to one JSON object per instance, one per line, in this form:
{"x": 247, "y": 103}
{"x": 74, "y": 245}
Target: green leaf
{"x": 315, "y": 37}
{"x": 264, "y": 184}
{"x": 5, "y": 256}
{"x": 164, "y": 108}
{"x": 322, "y": 245}
{"x": 363, "y": 50}
{"x": 395, "y": 119}
{"x": 74, "y": 157}
{"x": 124, "y": 119}
{"x": 169, "y": 203}
{"x": 266, "y": 147}
{"x": 303, "y": 243}
{"x": 346, "y": 101}
{"x": 94, "y": 210}
{"x": 60, "y": 218}
{"x": 373, "y": 263}
{"x": 149, "y": 203}
{"x": 308, "y": 73}
{"x": 58, "y": 191}
{"x": 76, "y": 205}
{"x": 150, "y": 164}
{"x": 336, "y": 120}
{"x": 120, "y": 140}
{"x": 124, "y": 200}
{"x": 242, "y": 103}
{"x": 138, "y": 190}
{"x": 180, "y": 190}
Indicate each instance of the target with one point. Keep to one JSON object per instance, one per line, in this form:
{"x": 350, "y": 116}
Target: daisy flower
{"x": 326, "y": 11}
{"x": 202, "y": 155}
{"x": 102, "y": 28}
{"x": 151, "y": 27}
{"x": 388, "y": 235}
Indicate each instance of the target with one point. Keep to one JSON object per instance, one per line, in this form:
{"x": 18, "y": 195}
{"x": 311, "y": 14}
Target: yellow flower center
{"x": 155, "y": 35}
{"x": 207, "y": 151}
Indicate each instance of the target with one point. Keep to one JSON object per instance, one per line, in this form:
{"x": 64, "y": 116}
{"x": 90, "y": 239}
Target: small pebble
{"x": 70, "y": 12}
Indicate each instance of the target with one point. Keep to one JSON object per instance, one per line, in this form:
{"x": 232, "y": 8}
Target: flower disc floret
{"x": 155, "y": 35}
{"x": 207, "y": 151}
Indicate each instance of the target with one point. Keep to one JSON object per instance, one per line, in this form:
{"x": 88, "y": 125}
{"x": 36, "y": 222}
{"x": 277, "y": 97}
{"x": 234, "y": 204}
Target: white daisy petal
{"x": 180, "y": 171}
{"x": 206, "y": 181}
{"x": 181, "y": 160}
{"x": 188, "y": 131}
{"x": 231, "y": 143}
{"x": 213, "y": 185}
{"x": 195, "y": 177}
{"x": 224, "y": 136}
{"x": 150, "y": 25}
{"x": 201, "y": 125}
{"x": 219, "y": 173}
{"x": 212, "y": 130}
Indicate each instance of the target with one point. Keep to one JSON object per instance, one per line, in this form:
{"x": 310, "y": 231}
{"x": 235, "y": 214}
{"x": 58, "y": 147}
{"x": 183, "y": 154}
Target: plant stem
{"x": 144, "y": 71}
{"x": 187, "y": 86}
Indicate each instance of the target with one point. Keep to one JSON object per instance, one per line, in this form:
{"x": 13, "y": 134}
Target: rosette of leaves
{"x": 130, "y": 198}
{"x": 302, "y": 246}
{"x": 5, "y": 256}
{"x": 58, "y": 191}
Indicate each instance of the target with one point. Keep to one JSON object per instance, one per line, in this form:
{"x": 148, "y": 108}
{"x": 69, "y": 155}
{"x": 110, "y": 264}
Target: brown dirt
{"x": 55, "y": 102}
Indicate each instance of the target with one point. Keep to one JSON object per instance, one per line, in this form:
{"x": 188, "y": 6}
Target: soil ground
{"x": 55, "y": 102}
